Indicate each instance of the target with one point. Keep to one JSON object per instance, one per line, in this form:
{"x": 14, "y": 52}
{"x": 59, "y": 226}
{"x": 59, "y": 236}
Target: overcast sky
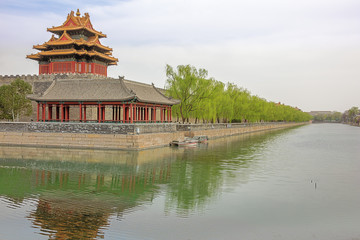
{"x": 302, "y": 53}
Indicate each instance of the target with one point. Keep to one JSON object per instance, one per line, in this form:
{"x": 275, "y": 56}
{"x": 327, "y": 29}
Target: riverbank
{"x": 115, "y": 136}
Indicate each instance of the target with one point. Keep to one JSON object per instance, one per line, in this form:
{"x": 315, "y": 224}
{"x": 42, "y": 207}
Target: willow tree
{"x": 190, "y": 86}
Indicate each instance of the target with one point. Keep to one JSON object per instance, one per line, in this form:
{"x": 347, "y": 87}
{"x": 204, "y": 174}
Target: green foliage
{"x": 13, "y": 101}
{"x": 209, "y": 100}
{"x": 352, "y": 116}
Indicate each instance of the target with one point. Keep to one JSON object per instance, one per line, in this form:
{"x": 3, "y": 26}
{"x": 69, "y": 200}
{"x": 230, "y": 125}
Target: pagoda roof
{"x": 103, "y": 90}
{"x": 71, "y": 51}
{"x": 77, "y": 22}
{"x": 66, "y": 39}
{"x": 148, "y": 93}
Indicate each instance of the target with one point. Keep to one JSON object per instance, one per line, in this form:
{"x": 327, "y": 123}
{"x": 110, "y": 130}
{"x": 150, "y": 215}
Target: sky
{"x": 301, "y": 53}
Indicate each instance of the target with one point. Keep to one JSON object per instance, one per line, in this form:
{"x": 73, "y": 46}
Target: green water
{"x": 299, "y": 183}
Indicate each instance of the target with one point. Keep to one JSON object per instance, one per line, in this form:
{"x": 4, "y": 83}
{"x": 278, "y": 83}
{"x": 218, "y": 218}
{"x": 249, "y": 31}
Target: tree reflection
{"x": 78, "y": 192}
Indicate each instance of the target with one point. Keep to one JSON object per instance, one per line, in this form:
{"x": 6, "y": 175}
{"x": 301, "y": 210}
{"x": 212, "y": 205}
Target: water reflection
{"x": 77, "y": 191}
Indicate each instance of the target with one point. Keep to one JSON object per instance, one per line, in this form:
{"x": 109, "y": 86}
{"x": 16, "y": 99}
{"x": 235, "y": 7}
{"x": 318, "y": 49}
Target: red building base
{"x": 73, "y": 67}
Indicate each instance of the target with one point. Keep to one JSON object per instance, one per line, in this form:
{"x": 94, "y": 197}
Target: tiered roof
{"x": 89, "y": 39}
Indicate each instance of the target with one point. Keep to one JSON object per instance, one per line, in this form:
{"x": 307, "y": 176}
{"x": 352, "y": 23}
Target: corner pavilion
{"x": 113, "y": 100}
{"x": 76, "y": 51}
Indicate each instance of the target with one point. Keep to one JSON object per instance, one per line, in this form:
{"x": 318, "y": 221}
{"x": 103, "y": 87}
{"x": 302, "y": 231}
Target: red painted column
{"x": 62, "y": 112}
{"x": 80, "y": 108}
{"x": 138, "y": 116}
{"x": 43, "y": 112}
{"x": 50, "y": 112}
{"x": 99, "y": 113}
{"x": 84, "y": 113}
{"x": 103, "y": 113}
{"x": 38, "y": 112}
{"x": 142, "y": 114}
{"x": 57, "y": 112}
{"x": 146, "y": 113}
{"x": 115, "y": 112}
{"x": 123, "y": 107}
{"x": 66, "y": 113}
{"x": 162, "y": 114}
{"x": 154, "y": 114}
{"x": 134, "y": 113}
{"x": 131, "y": 113}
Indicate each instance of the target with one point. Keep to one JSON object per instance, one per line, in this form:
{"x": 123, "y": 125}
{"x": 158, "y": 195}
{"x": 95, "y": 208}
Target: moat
{"x": 297, "y": 183}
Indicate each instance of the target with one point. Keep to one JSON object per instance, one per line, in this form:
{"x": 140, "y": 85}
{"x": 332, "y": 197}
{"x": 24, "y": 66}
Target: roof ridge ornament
{"x": 78, "y": 13}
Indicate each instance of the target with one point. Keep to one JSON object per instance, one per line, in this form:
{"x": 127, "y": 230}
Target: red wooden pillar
{"x": 50, "y": 112}
{"x": 62, "y": 112}
{"x": 134, "y": 113}
{"x": 84, "y": 113}
{"x": 146, "y": 113}
{"x": 57, "y": 112}
{"x": 66, "y": 113}
{"x": 115, "y": 112}
{"x": 103, "y": 113}
{"x": 162, "y": 114}
{"x": 123, "y": 107}
{"x": 38, "y": 112}
{"x": 154, "y": 113}
{"x": 131, "y": 113}
{"x": 99, "y": 113}
{"x": 80, "y": 108}
{"x": 119, "y": 113}
{"x": 43, "y": 112}
{"x": 140, "y": 114}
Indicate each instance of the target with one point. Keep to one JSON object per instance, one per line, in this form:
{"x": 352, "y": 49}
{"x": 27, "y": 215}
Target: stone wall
{"x": 129, "y": 141}
{"x": 93, "y": 128}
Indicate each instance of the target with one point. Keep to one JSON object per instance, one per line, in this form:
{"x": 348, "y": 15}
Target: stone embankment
{"x": 119, "y": 136}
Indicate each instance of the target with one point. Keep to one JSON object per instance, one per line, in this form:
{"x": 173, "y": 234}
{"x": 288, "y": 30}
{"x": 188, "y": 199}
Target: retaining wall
{"x": 26, "y": 134}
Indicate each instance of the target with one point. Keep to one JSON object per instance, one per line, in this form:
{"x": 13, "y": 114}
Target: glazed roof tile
{"x": 77, "y": 22}
{"x": 103, "y": 90}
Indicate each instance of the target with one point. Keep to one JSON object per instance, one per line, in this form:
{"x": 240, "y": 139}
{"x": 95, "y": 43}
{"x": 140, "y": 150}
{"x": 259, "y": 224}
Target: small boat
{"x": 186, "y": 142}
{"x": 190, "y": 141}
